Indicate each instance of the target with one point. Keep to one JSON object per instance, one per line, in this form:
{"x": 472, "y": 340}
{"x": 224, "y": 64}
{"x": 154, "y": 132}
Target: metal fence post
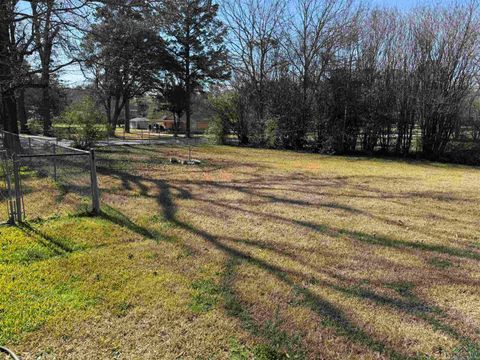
{"x": 54, "y": 162}
{"x": 8, "y": 186}
{"x": 94, "y": 184}
{"x": 18, "y": 194}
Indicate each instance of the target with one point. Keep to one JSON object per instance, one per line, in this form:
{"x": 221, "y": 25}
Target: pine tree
{"x": 195, "y": 37}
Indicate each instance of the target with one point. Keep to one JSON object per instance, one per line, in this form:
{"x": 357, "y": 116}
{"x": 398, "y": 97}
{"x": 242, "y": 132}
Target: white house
{"x": 139, "y": 123}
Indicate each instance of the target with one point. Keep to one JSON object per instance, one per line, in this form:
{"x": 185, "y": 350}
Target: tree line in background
{"x": 331, "y": 76}
{"x": 335, "y": 76}
{"x": 169, "y": 49}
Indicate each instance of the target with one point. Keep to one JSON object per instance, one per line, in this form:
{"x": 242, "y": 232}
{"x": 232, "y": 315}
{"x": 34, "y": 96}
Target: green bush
{"x": 35, "y": 126}
{"x": 226, "y": 121}
{"x": 271, "y": 130}
{"x": 216, "y": 132}
{"x": 63, "y": 132}
{"x": 83, "y": 123}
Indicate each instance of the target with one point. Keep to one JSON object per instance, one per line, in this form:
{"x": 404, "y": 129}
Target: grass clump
{"x": 122, "y": 309}
{"x": 467, "y": 352}
{"x": 205, "y": 296}
{"x": 239, "y": 351}
{"x": 258, "y": 352}
{"x": 440, "y": 263}
{"x": 402, "y": 288}
{"x": 17, "y": 247}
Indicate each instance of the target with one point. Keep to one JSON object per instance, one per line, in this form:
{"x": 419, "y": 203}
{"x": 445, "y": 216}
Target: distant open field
{"x": 254, "y": 254}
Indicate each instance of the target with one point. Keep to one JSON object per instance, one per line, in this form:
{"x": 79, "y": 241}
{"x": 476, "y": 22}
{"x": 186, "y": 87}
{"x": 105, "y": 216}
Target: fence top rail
{"x": 47, "y": 140}
{"x": 38, "y": 137}
{"x": 83, "y": 152}
{"x": 52, "y": 155}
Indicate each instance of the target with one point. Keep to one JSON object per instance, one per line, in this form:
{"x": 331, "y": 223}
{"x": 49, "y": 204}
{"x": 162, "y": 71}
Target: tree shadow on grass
{"x": 278, "y": 341}
{"x": 332, "y": 316}
{"x": 242, "y": 188}
{"x": 359, "y": 236}
{"x": 257, "y": 184}
{"x": 126, "y": 178}
{"x": 57, "y": 245}
{"x": 409, "y": 303}
{"x": 402, "y": 244}
{"x": 117, "y": 217}
{"x": 256, "y": 188}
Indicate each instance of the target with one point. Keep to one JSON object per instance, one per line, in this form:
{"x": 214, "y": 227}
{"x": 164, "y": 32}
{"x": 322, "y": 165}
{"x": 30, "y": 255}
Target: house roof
{"x": 139, "y": 119}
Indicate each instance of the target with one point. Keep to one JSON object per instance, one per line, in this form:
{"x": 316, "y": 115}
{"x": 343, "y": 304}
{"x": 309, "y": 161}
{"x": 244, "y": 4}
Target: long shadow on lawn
{"x": 279, "y": 341}
{"x": 240, "y": 187}
{"x": 332, "y": 315}
{"x": 245, "y": 187}
{"x": 409, "y": 302}
{"x": 117, "y": 217}
{"x": 58, "y": 246}
{"x": 359, "y": 236}
{"x": 63, "y": 246}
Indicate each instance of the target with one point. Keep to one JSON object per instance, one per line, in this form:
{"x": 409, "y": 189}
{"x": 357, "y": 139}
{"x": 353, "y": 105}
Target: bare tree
{"x": 15, "y": 45}
{"x": 255, "y": 31}
{"x": 53, "y": 26}
{"x": 317, "y": 31}
{"x": 446, "y": 49}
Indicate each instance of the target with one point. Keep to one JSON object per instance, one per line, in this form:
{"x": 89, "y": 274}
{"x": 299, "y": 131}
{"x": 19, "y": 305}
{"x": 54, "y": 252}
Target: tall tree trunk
{"x": 45, "y": 107}
{"x": 188, "y": 111}
{"x": 119, "y": 104}
{"x": 188, "y": 87}
{"x": 9, "y": 106}
{"x": 175, "y": 124}
{"x": 21, "y": 111}
{"x": 8, "y": 101}
{"x": 127, "y": 115}
{"x": 6, "y": 76}
{"x": 3, "y": 119}
{"x": 108, "y": 110}
{"x": 10, "y": 111}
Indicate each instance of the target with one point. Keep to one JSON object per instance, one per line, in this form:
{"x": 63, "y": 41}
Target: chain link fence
{"x": 7, "y": 205}
{"x": 45, "y": 178}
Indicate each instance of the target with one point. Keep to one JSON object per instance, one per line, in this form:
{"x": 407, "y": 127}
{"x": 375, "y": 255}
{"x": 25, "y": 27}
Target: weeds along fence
{"x": 44, "y": 178}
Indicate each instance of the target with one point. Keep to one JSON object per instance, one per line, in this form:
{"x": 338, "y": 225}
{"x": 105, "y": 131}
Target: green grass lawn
{"x": 136, "y": 134}
{"x": 67, "y": 130}
{"x": 254, "y": 254}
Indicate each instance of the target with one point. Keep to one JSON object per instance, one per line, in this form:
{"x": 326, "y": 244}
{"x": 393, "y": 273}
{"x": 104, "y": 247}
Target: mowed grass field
{"x": 255, "y": 254}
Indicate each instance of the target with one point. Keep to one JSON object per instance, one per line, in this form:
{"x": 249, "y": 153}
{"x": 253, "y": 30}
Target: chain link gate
{"x": 50, "y": 178}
